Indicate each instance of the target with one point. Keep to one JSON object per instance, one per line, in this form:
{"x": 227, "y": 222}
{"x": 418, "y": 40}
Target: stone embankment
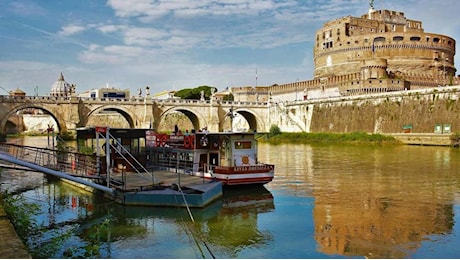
{"x": 423, "y": 139}
{"x": 11, "y": 246}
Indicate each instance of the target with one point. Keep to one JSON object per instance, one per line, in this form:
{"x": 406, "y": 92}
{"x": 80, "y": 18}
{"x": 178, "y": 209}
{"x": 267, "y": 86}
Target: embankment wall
{"x": 434, "y": 111}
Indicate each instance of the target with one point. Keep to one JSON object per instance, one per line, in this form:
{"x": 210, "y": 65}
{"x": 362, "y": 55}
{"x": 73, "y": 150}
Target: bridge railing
{"x": 76, "y": 164}
{"x": 169, "y": 101}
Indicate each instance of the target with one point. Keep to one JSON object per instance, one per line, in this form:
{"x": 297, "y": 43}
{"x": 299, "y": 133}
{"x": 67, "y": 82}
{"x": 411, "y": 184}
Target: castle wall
{"x": 414, "y": 111}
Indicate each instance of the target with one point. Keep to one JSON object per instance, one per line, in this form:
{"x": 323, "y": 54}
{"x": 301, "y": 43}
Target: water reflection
{"x": 235, "y": 228}
{"x": 378, "y": 202}
{"x": 325, "y": 201}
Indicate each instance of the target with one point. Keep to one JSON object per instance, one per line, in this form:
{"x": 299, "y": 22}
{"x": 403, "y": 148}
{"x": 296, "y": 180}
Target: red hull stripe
{"x": 244, "y": 180}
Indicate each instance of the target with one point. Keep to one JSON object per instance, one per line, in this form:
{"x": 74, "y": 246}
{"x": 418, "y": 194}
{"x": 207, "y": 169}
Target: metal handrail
{"x": 73, "y": 163}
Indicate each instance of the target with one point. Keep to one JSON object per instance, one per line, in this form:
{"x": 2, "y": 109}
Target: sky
{"x": 177, "y": 44}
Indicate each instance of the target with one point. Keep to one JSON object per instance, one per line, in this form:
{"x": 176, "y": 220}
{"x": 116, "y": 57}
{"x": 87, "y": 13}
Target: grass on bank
{"x": 65, "y": 135}
{"x": 277, "y": 137}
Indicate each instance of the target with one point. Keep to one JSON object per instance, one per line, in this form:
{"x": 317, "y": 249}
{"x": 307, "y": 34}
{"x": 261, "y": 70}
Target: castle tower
{"x": 380, "y": 51}
{"x": 342, "y": 45}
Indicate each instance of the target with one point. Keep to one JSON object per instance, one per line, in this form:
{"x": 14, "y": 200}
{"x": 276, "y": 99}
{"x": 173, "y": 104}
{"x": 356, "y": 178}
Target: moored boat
{"x": 121, "y": 169}
{"x": 229, "y": 157}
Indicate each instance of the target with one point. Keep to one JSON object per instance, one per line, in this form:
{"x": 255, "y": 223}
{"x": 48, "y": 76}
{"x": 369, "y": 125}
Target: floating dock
{"x": 161, "y": 188}
{"x": 166, "y": 189}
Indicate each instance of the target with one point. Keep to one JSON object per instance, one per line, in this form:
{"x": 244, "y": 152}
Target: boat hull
{"x": 241, "y": 175}
{"x": 194, "y": 196}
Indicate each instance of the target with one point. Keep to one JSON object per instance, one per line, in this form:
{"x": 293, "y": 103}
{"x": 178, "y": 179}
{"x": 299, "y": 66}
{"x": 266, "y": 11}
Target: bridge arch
{"x": 254, "y": 121}
{"x": 195, "y": 118}
{"x": 60, "y": 122}
{"x": 132, "y": 122}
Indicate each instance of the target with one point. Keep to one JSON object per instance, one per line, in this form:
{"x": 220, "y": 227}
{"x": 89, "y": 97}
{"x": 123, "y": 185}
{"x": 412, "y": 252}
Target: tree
{"x": 195, "y": 93}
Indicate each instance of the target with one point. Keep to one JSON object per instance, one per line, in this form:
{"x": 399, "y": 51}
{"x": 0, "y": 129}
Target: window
{"x": 415, "y": 38}
{"x": 243, "y": 145}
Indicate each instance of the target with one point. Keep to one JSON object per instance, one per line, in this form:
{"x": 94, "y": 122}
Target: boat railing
{"x": 129, "y": 159}
{"x": 73, "y": 163}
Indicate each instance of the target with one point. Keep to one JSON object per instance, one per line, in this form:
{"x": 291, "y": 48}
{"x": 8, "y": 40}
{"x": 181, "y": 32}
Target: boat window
{"x": 243, "y": 145}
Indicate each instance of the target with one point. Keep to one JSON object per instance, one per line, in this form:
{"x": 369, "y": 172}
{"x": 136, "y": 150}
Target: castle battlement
{"x": 378, "y": 51}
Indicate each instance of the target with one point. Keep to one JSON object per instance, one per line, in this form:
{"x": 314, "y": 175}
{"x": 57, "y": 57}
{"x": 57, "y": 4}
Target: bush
{"x": 66, "y": 136}
{"x": 274, "y": 130}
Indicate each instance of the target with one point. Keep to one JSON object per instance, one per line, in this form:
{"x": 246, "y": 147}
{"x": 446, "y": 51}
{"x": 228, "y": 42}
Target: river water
{"x": 326, "y": 201}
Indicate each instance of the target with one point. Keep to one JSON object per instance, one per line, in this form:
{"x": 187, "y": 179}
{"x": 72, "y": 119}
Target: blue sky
{"x": 176, "y": 44}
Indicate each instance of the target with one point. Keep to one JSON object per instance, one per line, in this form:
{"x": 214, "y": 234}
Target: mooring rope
{"x": 185, "y": 201}
{"x": 193, "y": 221}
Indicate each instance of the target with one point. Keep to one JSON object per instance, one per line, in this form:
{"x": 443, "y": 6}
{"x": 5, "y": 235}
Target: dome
{"x": 17, "y": 92}
{"x": 61, "y": 88}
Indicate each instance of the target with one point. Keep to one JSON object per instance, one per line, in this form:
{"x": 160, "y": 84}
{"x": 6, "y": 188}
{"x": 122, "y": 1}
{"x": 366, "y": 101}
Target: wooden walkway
{"x": 133, "y": 181}
{"x": 11, "y": 246}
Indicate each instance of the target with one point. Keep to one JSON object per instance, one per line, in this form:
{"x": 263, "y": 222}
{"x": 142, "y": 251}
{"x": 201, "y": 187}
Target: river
{"x": 326, "y": 201}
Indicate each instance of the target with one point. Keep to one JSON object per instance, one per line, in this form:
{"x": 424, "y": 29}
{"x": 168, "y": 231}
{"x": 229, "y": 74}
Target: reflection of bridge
{"x": 73, "y": 112}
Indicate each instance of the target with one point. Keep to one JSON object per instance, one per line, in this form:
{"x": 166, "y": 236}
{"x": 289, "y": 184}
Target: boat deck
{"x": 133, "y": 181}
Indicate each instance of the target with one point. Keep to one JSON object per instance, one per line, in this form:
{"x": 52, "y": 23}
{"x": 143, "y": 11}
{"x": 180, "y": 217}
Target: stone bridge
{"x": 430, "y": 110}
{"x": 73, "y": 112}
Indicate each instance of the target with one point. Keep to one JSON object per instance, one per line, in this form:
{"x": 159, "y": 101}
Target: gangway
{"x": 43, "y": 160}
{"x": 73, "y": 163}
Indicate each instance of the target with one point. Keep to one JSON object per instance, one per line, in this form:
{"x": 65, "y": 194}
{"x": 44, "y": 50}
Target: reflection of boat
{"x": 252, "y": 197}
{"x": 238, "y": 225}
{"x": 227, "y": 157}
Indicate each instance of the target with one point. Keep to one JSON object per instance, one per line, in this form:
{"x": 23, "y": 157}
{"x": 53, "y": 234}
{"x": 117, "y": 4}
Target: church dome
{"x": 61, "y": 88}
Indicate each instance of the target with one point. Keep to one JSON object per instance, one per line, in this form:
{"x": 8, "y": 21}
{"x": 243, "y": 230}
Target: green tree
{"x": 195, "y": 93}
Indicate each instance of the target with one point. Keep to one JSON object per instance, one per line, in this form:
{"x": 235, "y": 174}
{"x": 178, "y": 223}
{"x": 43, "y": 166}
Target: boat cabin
{"x": 203, "y": 152}
{"x": 122, "y": 141}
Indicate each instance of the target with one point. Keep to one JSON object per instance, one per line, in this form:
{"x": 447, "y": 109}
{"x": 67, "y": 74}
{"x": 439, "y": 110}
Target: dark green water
{"x": 327, "y": 201}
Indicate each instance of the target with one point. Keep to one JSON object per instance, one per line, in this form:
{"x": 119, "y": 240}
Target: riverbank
{"x": 11, "y": 246}
{"x": 391, "y": 138}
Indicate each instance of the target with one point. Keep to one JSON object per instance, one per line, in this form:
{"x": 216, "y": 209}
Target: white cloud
{"x": 143, "y": 36}
{"x": 128, "y": 51}
{"x": 110, "y": 28}
{"x": 70, "y": 30}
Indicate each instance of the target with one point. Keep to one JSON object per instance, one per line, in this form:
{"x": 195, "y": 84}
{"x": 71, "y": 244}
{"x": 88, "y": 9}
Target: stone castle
{"x": 380, "y": 51}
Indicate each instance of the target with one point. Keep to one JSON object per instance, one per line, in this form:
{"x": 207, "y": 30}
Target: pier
{"x": 154, "y": 188}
